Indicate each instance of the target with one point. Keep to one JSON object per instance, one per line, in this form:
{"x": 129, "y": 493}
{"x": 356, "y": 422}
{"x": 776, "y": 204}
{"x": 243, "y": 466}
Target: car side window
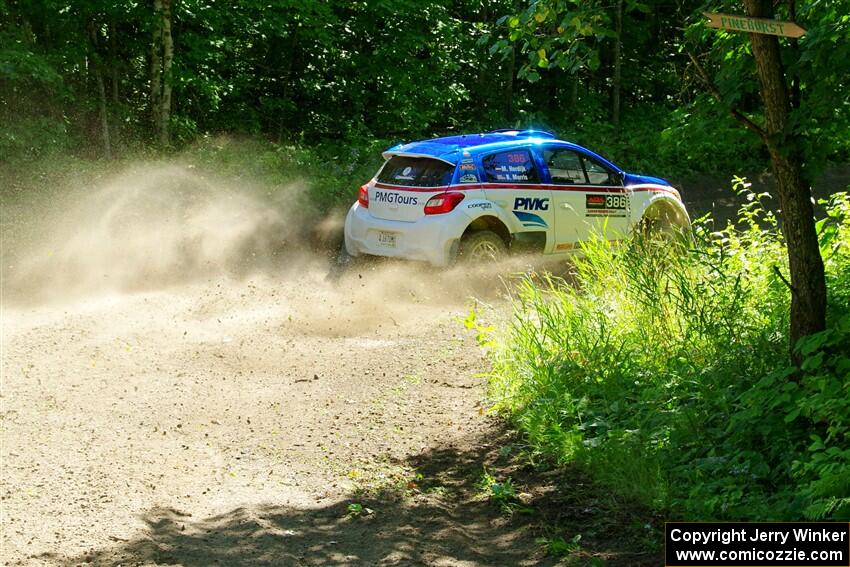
{"x": 598, "y": 174}
{"x": 513, "y": 166}
{"x": 564, "y": 166}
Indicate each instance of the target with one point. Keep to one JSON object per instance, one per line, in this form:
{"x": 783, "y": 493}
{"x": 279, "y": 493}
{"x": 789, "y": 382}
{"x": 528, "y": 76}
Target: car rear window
{"x": 416, "y": 172}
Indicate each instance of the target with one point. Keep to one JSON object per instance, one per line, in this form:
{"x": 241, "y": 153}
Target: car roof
{"x": 451, "y": 149}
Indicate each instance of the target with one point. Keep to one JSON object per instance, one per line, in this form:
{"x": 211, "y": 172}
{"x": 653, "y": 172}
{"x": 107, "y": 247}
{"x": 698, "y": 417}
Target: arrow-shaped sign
{"x": 753, "y": 25}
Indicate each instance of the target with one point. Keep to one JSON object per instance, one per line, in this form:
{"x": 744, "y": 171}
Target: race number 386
{"x": 615, "y": 201}
{"x": 606, "y": 202}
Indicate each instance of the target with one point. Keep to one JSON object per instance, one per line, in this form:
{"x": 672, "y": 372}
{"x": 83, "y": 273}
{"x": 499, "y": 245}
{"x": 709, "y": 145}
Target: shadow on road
{"x": 444, "y": 520}
{"x": 272, "y": 535}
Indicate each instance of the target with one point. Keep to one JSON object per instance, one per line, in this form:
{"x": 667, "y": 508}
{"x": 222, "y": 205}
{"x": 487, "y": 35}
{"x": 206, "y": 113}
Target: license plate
{"x": 386, "y": 239}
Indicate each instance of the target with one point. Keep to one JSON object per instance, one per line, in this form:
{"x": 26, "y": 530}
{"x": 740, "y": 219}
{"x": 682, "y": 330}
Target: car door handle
{"x": 566, "y": 206}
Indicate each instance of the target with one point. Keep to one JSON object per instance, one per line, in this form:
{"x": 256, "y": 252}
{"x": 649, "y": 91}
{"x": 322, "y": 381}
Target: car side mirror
{"x": 620, "y": 176}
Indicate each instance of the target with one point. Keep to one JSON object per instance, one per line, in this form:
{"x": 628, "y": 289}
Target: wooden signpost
{"x": 753, "y": 25}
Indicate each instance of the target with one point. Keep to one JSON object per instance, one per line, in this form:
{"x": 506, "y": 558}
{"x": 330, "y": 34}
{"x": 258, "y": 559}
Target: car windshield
{"x": 416, "y": 172}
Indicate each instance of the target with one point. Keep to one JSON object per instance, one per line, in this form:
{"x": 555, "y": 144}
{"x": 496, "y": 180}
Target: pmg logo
{"x": 531, "y": 204}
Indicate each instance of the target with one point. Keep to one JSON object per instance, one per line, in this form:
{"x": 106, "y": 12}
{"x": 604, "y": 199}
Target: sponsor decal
{"x": 405, "y": 174}
{"x": 467, "y": 166}
{"x": 387, "y": 197}
{"x": 531, "y": 203}
{"x": 608, "y": 205}
{"x": 577, "y": 245}
{"x": 469, "y": 178}
{"x": 531, "y": 220}
{"x": 482, "y": 205}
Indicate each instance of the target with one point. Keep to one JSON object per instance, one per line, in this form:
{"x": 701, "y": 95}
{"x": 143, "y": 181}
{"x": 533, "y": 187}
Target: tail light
{"x": 443, "y": 203}
{"x": 363, "y": 197}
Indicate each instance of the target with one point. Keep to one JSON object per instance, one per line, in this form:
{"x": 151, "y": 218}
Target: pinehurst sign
{"x": 753, "y": 25}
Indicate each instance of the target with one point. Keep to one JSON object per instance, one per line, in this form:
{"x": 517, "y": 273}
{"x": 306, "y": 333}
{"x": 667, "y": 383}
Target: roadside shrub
{"x": 666, "y": 372}
{"x": 691, "y": 133}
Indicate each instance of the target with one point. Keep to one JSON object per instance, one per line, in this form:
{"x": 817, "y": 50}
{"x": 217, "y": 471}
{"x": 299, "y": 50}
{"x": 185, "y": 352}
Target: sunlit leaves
{"x": 817, "y": 68}
{"x": 553, "y": 33}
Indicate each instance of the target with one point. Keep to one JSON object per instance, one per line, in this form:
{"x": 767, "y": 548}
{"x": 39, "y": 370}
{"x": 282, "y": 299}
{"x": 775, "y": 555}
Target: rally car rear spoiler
{"x": 388, "y": 154}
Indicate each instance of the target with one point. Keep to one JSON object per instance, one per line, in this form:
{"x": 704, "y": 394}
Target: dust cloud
{"x": 156, "y": 227}
{"x": 149, "y": 227}
{"x": 170, "y": 336}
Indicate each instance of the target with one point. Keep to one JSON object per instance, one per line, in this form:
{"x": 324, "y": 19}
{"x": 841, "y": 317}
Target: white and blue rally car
{"x": 479, "y": 196}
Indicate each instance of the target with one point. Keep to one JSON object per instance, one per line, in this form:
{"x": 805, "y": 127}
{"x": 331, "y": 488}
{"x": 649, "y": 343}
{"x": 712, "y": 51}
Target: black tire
{"x": 481, "y": 247}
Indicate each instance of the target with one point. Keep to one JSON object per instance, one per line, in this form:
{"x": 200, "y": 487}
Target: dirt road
{"x": 182, "y": 386}
{"x": 263, "y": 421}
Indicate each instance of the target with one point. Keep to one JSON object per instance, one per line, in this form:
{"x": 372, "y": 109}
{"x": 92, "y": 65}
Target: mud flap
{"x": 453, "y": 252}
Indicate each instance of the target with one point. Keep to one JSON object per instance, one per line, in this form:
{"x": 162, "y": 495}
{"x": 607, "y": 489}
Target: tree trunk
{"x": 808, "y": 294}
{"x": 113, "y": 80}
{"x": 167, "y": 59}
{"x": 618, "y": 67}
{"x": 656, "y": 46}
{"x": 509, "y": 86}
{"x": 96, "y": 67}
{"x": 113, "y": 60}
{"x": 156, "y": 67}
{"x": 104, "y": 112}
{"x": 574, "y": 81}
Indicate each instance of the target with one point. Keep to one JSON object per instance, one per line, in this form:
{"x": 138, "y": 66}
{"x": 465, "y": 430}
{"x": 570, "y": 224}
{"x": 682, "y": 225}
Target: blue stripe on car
{"x": 530, "y": 219}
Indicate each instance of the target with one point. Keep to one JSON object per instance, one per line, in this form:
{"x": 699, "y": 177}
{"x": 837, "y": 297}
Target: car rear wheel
{"x": 482, "y": 246}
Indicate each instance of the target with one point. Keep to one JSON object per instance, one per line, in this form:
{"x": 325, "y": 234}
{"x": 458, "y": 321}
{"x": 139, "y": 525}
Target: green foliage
{"x": 311, "y": 74}
{"x": 503, "y": 494}
{"x": 34, "y": 137}
{"x": 701, "y": 138}
{"x": 565, "y": 35}
{"x": 498, "y": 492}
{"x": 559, "y": 547}
{"x": 569, "y": 43}
{"x": 835, "y": 253}
{"x": 665, "y": 372}
{"x": 358, "y": 510}
{"x": 330, "y": 173}
{"x": 304, "y": 71}
{"x": 817, "y": 68}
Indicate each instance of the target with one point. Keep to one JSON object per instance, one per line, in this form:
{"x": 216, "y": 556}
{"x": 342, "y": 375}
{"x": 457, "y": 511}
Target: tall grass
{"x": 664, "y": 369}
